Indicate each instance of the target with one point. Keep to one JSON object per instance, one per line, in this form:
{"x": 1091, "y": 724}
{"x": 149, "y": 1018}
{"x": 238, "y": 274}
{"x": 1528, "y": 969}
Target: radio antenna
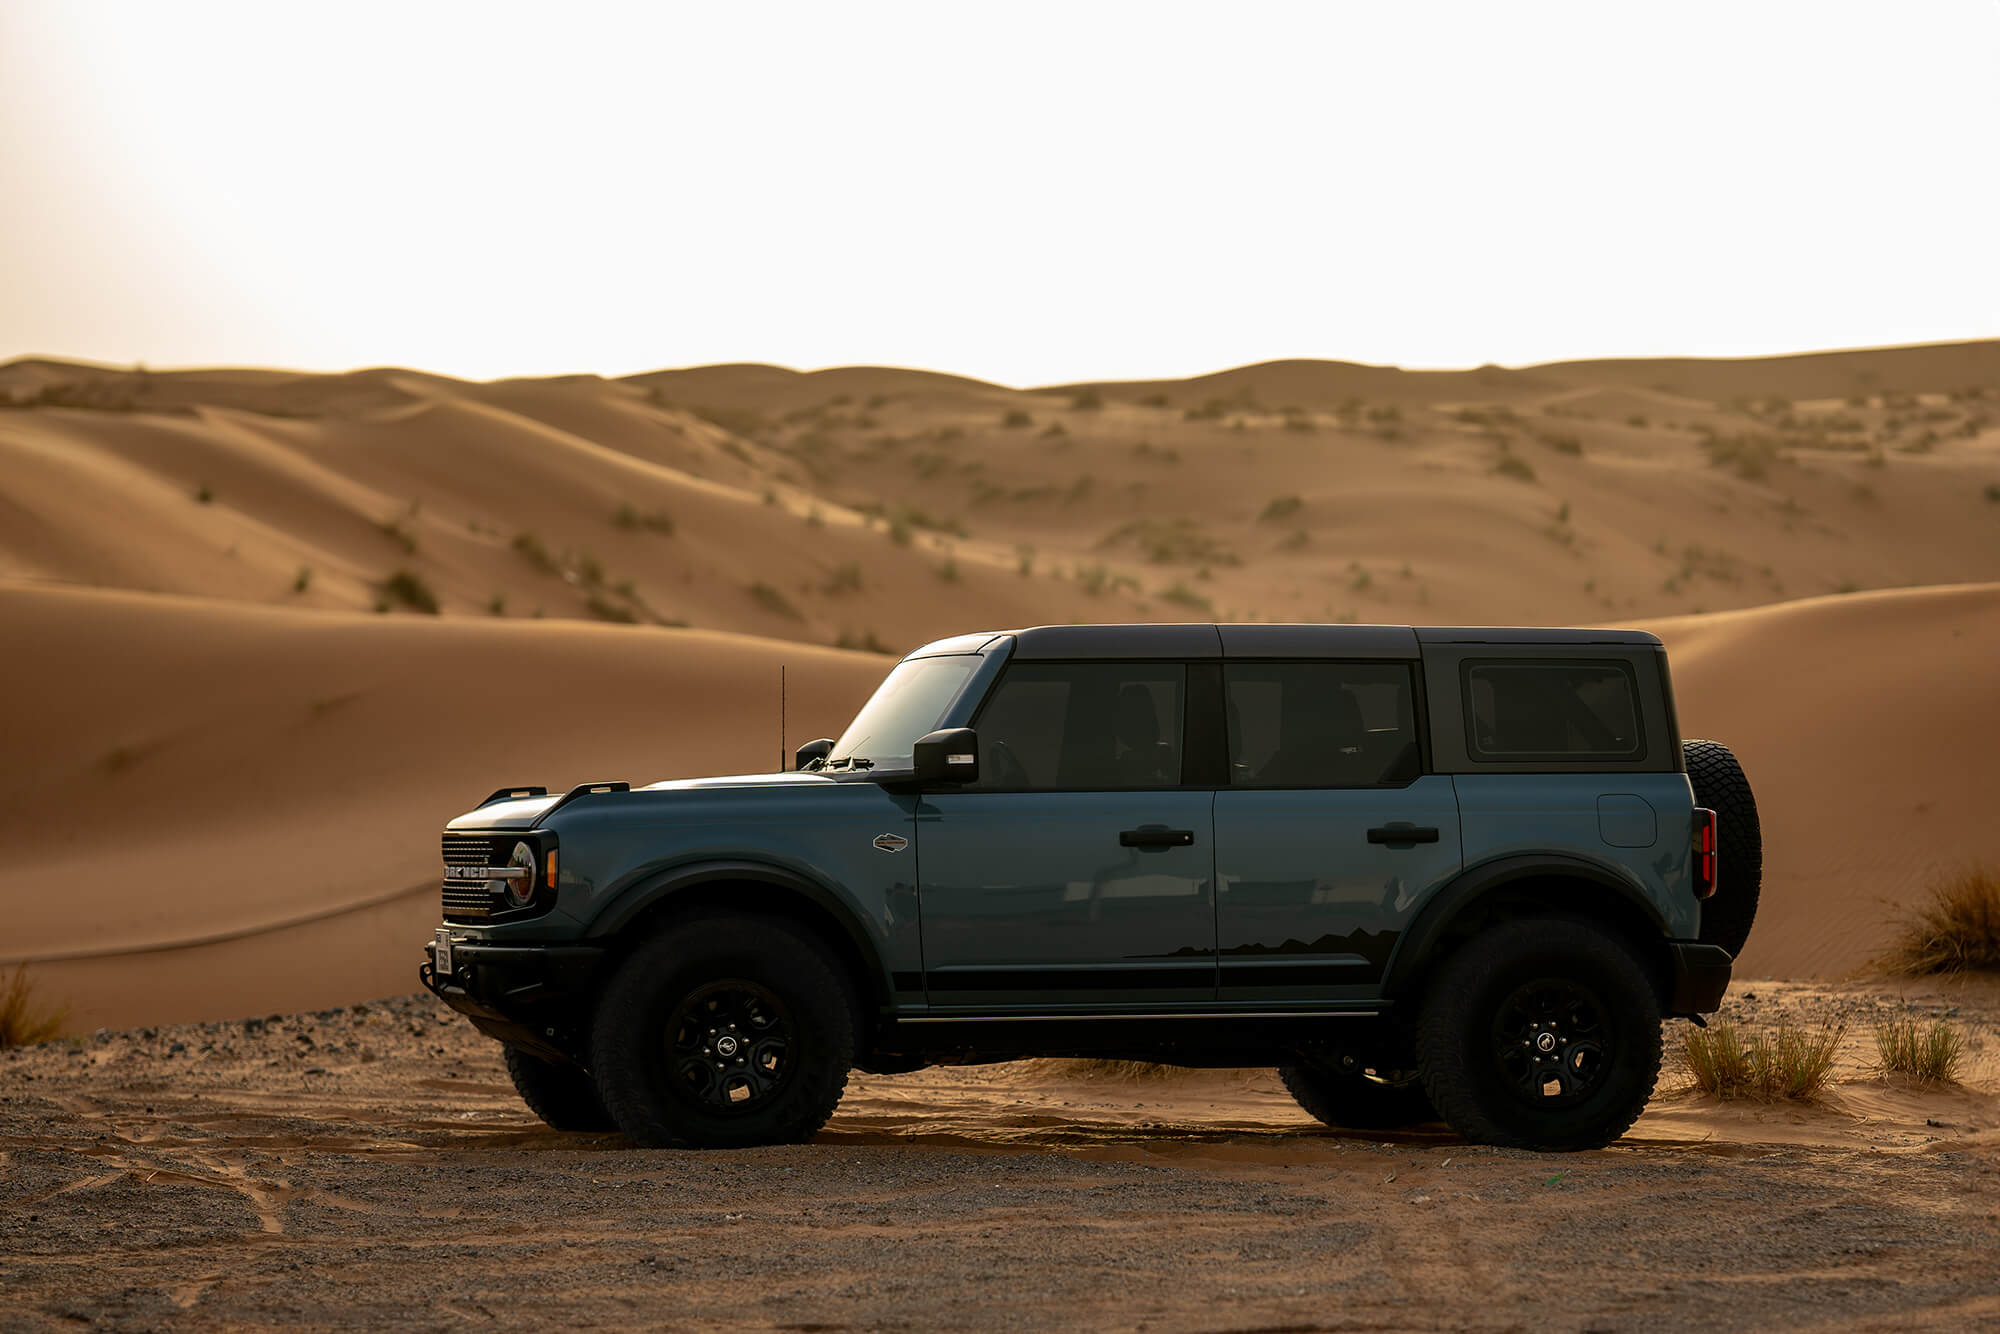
{"x": 781, "y": 718}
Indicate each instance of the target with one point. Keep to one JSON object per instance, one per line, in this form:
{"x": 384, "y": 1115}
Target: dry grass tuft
{"x": 1793, "y": 1064}
{"x": 1923, "y": 1053}
{"x": 24, "y": 1021}
{"x": 1958, "y": 931}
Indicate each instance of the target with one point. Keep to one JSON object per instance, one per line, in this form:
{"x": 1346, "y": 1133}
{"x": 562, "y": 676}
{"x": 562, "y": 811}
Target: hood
{"x": 527, "y": 812}
{"x": 787, "y": 779}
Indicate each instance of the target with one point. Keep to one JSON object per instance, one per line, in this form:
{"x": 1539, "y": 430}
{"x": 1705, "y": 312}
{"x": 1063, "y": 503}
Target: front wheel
{"x": 724, "y": 1032}
{"x": 1540, "y": 1034}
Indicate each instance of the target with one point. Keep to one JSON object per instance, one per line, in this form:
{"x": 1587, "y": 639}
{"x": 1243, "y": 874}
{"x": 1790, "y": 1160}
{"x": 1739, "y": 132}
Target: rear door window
{"x": 1554, "y": 711}
{"x": 1320, "y": 724}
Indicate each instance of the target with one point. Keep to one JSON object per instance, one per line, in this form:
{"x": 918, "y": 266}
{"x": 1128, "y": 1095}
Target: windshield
{"x": 904, "y": 707}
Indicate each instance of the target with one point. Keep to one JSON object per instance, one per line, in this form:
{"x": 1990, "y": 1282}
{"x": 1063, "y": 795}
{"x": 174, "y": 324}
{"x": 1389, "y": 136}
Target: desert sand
{"x": 267, "y": 631}
{"x": 372, "y": 1167}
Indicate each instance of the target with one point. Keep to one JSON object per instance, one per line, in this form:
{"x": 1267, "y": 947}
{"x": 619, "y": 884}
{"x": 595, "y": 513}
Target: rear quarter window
{"x": 1552, "y": 710}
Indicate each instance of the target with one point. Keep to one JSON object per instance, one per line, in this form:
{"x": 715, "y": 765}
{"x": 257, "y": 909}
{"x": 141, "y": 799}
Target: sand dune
{"x": 1294, "y": 490}
{"x": 226, "y": 772}
{"x": 220, "y": 810}
{"x": 1868, "y": 725}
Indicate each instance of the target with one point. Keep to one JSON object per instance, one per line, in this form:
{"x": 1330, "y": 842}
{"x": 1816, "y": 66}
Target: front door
{"x": 1328, "y": 837}
{"x": 1079, "y": 870}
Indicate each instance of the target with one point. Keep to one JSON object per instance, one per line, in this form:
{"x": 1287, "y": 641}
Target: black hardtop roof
{"x": 1173, "y": 640}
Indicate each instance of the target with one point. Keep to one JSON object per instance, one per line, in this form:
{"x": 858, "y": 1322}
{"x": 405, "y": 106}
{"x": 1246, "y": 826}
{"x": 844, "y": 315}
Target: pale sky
{"x": 1029, "y": 193}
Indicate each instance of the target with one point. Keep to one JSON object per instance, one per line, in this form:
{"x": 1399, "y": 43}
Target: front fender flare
{"x": 645, "y": 895}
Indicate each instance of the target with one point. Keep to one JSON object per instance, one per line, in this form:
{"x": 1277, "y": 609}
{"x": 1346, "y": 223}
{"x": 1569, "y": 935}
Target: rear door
{"x": 1329, "y": 835}
{"x": 1079, "y": 870}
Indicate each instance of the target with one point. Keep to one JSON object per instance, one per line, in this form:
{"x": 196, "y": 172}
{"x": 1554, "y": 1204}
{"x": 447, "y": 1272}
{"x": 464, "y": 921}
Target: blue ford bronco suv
{"x": 1429, "y": 874}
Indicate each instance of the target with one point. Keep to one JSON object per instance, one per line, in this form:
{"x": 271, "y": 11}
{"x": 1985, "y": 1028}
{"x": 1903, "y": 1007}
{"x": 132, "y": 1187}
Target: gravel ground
{"x": 372, "y": 1168}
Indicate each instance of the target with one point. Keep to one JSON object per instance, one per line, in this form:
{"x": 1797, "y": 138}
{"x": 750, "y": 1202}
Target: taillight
{"x": 1704, "y": 852}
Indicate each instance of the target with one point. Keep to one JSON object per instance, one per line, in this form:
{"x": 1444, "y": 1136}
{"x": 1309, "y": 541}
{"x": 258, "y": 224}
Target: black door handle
{"x": 1155, "y": 836}
{"x": 1403, "y": 833}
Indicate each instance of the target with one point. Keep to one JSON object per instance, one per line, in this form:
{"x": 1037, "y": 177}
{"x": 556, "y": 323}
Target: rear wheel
{"x": 564, "y": 1096}
{"x": 1355, "y": 1098}
{"x": 724, "y": 1032}
{"x": 1719, "y": 785}
{"x": 1540, "y": 1034}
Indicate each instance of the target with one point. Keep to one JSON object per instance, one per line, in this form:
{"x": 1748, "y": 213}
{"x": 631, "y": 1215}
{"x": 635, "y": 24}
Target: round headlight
{"x": 520, "y": 891}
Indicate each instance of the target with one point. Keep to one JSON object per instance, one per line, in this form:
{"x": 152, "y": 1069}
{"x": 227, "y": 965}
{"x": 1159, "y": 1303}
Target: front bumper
{"x": 536, "y": 997}
{"x": 1701, "y": 975}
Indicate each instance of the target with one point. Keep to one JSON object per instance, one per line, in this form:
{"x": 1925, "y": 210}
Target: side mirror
{"x": 949, "y": 756}
{"x": 812, "y": 753}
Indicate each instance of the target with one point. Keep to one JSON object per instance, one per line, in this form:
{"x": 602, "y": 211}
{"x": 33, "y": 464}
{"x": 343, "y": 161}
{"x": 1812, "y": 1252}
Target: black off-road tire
{"x": 1719, "y": 785}
{"x": 564, "y": 1096}
{"x": 1488, "y": 1088}
{"x": 725, "y": 968}
{"x": 1352, "y": 1100}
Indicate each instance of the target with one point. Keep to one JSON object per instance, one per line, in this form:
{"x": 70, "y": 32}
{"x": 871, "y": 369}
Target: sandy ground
{"x": 371, "y": 1167}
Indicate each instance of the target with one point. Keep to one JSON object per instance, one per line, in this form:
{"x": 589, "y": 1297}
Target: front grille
{"x": 468, "y": 899}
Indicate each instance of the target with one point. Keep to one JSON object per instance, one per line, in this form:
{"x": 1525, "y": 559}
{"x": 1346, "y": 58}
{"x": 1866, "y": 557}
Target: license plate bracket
{"x": 442, "y": 963}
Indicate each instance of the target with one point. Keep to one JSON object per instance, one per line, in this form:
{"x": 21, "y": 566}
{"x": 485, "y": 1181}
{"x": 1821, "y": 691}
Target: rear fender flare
{"x": 1418, "y": 946}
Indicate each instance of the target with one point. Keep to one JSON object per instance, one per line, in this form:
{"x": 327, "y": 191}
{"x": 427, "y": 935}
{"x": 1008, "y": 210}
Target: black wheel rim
{"x": 730, "y": 1047}
{"x": 1552, "y": 1043}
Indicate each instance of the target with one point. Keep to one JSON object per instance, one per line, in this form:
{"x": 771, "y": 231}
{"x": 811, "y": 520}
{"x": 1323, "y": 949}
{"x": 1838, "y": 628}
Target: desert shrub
{"x": 1055, "y": 431}
{"x": 1512, "y": 465}
{"x": 394, "y": 530}
{"x": 303, "y": 579}
{"x": 845, "y": 578}
{"x": 1180, "y": 594}
{"x": 1154, "y": 401}
{"x": 1025, "y": 559}
{"x": 1146, "y": 449}
{"x": 1957, "y": 931}
{"x": 604, "y": 609}
{"x": 24, "y": 1020}
{"x": 1750, "y": 456}
{"x": 1166, "y": 541}
{"x": 497, "y": 605}
{"x": 1087, "y": 401}
{"x": 659, "y": 521}
{"x": 1560, "y": 443}
{"x": 1093, "y": 579}
{"x": 1792, "y": 1064}
{"x": 589, "y": 569}
{"x": 1993, "y": 492}
{"x": 1016, "y": 419}
{"x": 1638, "y": 420}
{"x": 407, "y": 588}
{"x": 949, "y": 570}
{"x": 204, "y": 494}
{"x": 1281, "y": 507}
{"x": 771, "y": 600}
{"x": 1359, "y": 577}
{"x": 899, "y": 531}
{"x": 1924, "y": 1053}
{"x": 531, "y": 550}
{"x": 1296, "y": 540}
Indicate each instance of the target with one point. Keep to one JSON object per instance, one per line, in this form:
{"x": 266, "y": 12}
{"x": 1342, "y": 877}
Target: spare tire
{"x": 1719, "y": 785}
